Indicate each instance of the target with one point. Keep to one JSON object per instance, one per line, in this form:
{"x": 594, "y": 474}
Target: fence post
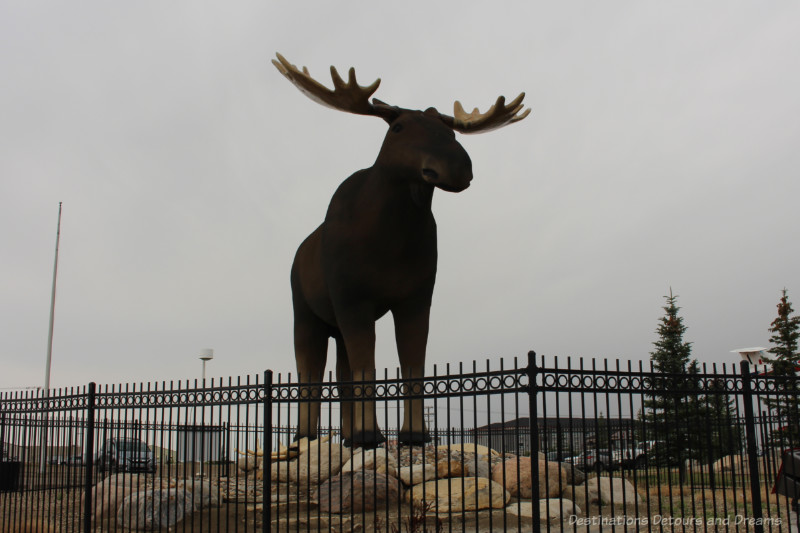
{"x": 2, "y": 435}
{"x": 266, "y": 490}
{"x": 752, "y": 456}
{"x": 533, "y": 390}
{"x": 87, "y": 488}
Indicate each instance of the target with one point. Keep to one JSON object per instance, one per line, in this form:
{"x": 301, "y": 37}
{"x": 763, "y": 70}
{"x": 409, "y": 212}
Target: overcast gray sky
{"x": 662, "y": 151}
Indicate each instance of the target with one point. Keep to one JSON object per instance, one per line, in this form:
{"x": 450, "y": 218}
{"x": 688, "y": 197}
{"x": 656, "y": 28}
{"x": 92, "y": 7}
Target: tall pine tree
{"x": 723, "y": 435}
{"x": 785, "y": 406}
{"x": 673, "y": 412}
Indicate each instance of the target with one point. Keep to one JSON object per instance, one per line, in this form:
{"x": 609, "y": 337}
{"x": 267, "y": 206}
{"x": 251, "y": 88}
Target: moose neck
{"x": 401, "y": 186}
{"x": 422, "y": 194}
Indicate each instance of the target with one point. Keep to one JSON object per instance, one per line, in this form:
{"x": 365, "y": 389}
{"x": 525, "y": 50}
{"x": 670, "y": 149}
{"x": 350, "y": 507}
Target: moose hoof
{"x": 365, "y": 439}
{"x": 414, "y": 438}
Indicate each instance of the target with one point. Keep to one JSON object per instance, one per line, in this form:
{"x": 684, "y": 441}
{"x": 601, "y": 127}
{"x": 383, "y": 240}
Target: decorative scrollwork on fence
{"x": 608, "y": 381}
{"x": 479, "y": 383}
{"x": 238, "y": 395}
{"x": 770, "y": 384}
{"x": 41, "y": 404}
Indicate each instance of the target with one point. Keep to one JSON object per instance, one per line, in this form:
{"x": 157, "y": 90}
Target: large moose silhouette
{"x": 375, "y": 252}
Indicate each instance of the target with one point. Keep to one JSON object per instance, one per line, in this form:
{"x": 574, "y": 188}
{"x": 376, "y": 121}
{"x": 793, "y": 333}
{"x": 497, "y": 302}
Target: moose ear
{"x": 387, "y": 112}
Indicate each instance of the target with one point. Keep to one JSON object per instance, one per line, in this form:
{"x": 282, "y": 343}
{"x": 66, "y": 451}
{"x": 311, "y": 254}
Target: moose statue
{"x": 376, "y": 252}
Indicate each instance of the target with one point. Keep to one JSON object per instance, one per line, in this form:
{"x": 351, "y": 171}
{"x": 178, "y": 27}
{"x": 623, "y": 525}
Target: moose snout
{"x": 430, "y": 175}
{"x": 449, "y": 177}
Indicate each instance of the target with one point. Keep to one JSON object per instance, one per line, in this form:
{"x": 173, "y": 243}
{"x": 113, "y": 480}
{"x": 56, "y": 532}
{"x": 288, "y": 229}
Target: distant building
{"x": 201, "y": 443}
{"x": 562, "y": 436}
{"x": 511, "y": 436}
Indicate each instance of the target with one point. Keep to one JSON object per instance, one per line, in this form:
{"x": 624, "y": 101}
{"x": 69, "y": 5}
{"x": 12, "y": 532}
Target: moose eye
{"x": 397, "y": 128}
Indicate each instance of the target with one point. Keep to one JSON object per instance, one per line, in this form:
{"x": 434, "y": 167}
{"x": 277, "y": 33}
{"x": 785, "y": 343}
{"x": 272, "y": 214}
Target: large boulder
{"x": 416, "y": 474}
{"x": 515, "y": 475}
{"x": 377, "y": 460}
{"x": 607, "y": 490}
{"x": 556, "y": 510}
{"x": 319, "y": 462}
{"x": 478, "y": 465}
{"x": 460, "y": 494}
{"x": 204, "y": 494}
{"x": 551, "y": 510}
{"x": 249, "y": 462}
{"x": 578, "y": 494}
{"x": 154, "y": 509}
{"x": 449, "y": 468}
{"x": 575, "y": 476}
{"x": 107, "y": 494}
{"x": 359, "y": 491}
{"x": 520, "y": 508}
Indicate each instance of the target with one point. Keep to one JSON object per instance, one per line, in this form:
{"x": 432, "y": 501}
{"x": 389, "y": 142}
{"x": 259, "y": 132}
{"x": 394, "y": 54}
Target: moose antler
{"x": 497, "y": 116}
{"x": 346, "y": 96}
{"x": 351, "y": 97}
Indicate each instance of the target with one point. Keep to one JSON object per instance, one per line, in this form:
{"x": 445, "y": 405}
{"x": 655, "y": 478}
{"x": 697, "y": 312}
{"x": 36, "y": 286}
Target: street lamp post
{"x": 206, "y": 355}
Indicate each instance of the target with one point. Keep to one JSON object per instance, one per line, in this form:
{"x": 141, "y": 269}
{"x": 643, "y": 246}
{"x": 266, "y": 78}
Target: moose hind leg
{"x": 311, "y": 353}
{"x": 344, "y": 377}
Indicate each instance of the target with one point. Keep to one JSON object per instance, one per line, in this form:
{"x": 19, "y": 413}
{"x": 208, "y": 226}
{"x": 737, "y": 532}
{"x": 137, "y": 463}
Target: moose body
{"x": 376, "y": 252}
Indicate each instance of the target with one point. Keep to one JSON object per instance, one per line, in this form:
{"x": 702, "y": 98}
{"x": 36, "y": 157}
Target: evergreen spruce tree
{"x": 724, "y": 435}
{"x": 674, "y": 413}
{"x": 785, "y": 406}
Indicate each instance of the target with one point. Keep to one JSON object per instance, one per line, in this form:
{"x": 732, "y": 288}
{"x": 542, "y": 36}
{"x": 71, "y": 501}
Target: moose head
{"x": 376, "y": 252}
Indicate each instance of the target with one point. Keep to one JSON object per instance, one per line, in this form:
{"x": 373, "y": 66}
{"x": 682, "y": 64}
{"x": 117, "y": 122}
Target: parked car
{"x": 125, "y": 455}
{"x": 557, "y": 457}
{"x": 595, "y": 459}
{"x": 635, "y": 457}
{"x": 649, "y": 453}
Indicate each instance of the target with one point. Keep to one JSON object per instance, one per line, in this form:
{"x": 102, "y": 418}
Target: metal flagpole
{"x": 50, "y": 344}
{"x": 52, "y": 308}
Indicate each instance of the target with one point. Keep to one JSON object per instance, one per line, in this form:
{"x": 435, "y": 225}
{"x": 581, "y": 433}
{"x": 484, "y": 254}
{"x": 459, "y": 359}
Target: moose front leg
{"x": 411, "y": 332}
{"x": 359, "y": 340}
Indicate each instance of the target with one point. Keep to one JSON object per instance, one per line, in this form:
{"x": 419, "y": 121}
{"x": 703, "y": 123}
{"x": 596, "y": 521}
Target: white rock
{"x": 107, "y": 494}
{"x": 204, "y": 494}
{"x": 617, "y": 490}
{"x": 247, "y": 463}
{"x": 555, "y": 510}
{"x": 416, "y": 474}
{"x": 550, "y": 510}
{"x": 523, "y": 509}
{"x": 321, "y": 461}
{"x": 377, "y": 460}
{"x": 460, "y": 494}
{"x": 154, "y": 509}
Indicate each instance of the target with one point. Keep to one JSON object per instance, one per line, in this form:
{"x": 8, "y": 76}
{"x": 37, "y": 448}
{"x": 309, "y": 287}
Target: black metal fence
{"x": 545, "y": 446}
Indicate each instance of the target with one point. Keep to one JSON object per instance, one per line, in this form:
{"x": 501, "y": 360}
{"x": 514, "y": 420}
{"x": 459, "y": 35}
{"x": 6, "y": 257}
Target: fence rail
{"x": 553, "y": 445}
